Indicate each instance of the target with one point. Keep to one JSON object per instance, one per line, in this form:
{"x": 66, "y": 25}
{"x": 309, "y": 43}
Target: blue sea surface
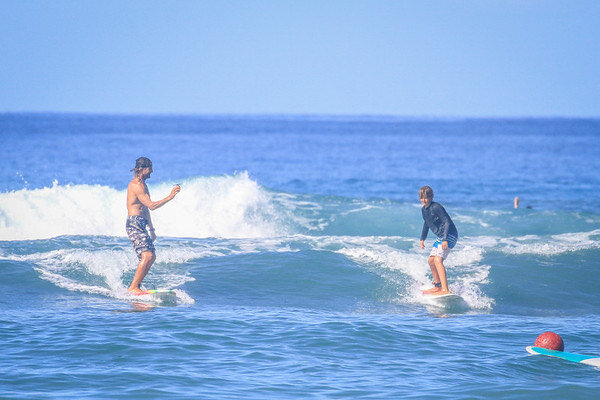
{"x": 293, "y": 250}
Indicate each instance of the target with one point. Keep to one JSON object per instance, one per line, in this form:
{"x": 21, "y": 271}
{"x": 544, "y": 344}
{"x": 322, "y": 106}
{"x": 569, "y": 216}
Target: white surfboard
{"x": 449, "y": 302}
{"x": 447, "y": 296}
{"x": 442, "y": 298}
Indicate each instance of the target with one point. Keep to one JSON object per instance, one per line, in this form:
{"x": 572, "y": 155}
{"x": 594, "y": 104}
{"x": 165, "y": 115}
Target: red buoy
{"x": 551, "y": 341}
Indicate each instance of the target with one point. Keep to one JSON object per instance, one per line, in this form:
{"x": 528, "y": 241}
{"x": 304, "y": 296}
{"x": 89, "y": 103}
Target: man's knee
{"x": 148, "y": 257}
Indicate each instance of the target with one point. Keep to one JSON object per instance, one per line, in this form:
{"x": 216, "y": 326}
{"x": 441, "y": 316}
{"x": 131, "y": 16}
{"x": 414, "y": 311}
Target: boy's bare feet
{"x": 439, "y": 292}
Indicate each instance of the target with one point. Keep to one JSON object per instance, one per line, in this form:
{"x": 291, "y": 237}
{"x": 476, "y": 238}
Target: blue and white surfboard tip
{"x": 574, "y": 357}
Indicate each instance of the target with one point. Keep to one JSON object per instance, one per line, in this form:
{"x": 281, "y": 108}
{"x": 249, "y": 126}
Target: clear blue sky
{"x": 406, "y": 58}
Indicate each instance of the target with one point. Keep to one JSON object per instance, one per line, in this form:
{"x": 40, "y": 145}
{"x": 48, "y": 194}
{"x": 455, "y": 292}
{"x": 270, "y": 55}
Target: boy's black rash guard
{"x": 437, "y": 219}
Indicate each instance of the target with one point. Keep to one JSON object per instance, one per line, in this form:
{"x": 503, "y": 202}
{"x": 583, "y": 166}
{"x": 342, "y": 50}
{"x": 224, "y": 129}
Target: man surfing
{"x": 139, "y": 224}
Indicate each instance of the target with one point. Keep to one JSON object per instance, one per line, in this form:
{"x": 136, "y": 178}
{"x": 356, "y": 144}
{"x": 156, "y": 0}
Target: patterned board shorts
{"x": 136, "y": 230}
{"x": 437, "y": 251}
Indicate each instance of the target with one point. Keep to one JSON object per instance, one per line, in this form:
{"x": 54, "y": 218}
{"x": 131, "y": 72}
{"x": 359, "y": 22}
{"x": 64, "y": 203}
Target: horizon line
{"x": 240, "y": 115}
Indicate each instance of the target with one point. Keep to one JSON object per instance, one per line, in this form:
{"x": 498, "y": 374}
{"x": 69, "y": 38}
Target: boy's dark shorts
{"x": 136, "y": 230}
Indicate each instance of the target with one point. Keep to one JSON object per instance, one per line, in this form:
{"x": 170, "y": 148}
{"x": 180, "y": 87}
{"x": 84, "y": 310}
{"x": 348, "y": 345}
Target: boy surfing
{"x": 139, "y": 224}
{"x": 437, "y": 219}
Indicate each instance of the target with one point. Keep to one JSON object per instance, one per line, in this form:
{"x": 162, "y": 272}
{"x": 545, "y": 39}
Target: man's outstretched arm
{"x": 144, "y": 198}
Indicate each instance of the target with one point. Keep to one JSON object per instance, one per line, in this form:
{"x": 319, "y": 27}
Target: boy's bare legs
{"x": 436, "y": 277}
{"x": 143, "y": 267}
{"x": 441, "y": 272}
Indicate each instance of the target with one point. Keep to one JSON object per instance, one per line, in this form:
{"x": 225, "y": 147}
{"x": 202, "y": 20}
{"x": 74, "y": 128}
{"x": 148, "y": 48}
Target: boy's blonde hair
{"x": 426, "y": 193}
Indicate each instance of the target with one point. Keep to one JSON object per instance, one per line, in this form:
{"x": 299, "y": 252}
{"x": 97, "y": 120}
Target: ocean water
{"x": 293, "y": 248}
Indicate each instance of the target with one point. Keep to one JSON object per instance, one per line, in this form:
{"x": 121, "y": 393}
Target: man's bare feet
{"x": 135, "y": 290}
{"x": 432, "y": 290}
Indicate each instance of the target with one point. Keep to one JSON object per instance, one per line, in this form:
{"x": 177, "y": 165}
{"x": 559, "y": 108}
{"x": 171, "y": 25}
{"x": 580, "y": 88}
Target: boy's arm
{"x": 424, "y": 233}
{"x": 446, "y": 221}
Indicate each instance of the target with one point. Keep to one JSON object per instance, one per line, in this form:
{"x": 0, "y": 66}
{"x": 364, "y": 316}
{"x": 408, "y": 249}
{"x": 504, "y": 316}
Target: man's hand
{"x": 152, "y": 235}
{"x": 444, "y": 245}
{"x": 422, "y": 244}
{"x": 175, "y": 190}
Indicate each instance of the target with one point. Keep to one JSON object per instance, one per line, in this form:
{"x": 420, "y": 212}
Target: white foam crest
{"x": 184, "y": 254}
{"x": 295, "y": 201}
{"x": 462, "y": 266}
{"x": 496, "y": 213}
{"x": 225, "y": 206}
{"x": 466, "y": 254}
{"x": 71, "y": 269}
{"x": 199, "y": 249}
{"x": 183, "y": 297}
{"x": 102, "y": 271}
{"x": 410, "y": 264}
{"x": 61, "y": 210}
{"x": 469, "y": 219}
{"x": 302, "y": 212}
{"x": 98, "y": 272}
{"x": 555, "y": 244}
{"x": 70, "y": 284}
{"x": 362, "y": 208}
{"x": 467, "y": 285}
